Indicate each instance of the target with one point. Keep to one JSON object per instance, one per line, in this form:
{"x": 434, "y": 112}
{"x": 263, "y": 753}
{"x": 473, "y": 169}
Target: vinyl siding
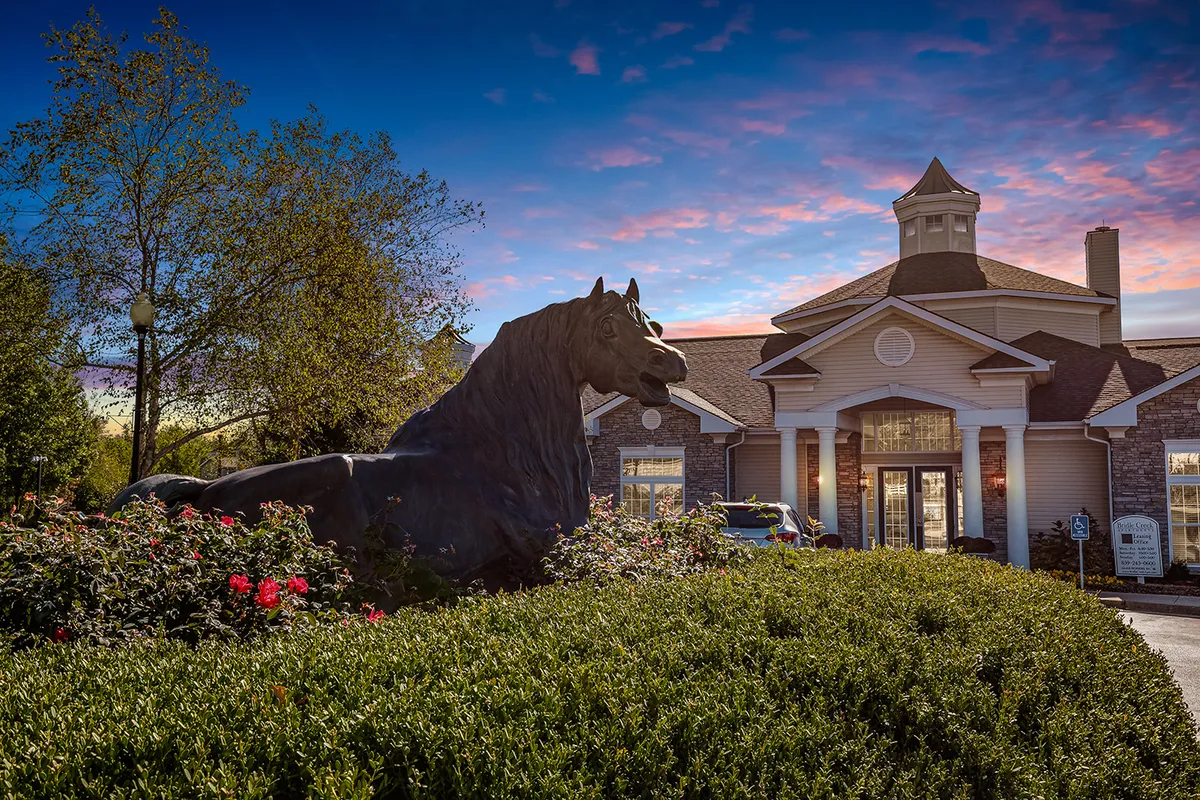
{"x": 1013, "y": 323}
{"x": 756, "y": 472}
{"x": 939, "y": 363}
{"x": 1064, "y": 475}
{"x": 979, "y": 319}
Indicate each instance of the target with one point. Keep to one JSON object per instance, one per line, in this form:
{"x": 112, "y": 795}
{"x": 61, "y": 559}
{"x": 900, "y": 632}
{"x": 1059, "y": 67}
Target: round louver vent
{"x": 651, "y": 419}
{"x": 894, "y": 346}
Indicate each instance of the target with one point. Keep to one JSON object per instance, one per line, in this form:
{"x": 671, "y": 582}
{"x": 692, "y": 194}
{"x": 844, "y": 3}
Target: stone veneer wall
{"x": 995, "y": 506}
{"x": 849, "y": 496}
{"x": 703, "y": 460}
{"x": 813, "y": 472}
{"x": 1139, "y": 460}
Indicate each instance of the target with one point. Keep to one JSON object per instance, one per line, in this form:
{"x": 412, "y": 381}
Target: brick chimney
{"x": 1103, "y": 258}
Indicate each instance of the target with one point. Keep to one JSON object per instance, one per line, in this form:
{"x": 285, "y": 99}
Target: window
{"x": 910, "y": 431}
{"x": 1183, "y": 492}
{"x": 960, "y": 223}
{"x": 652, "y": 480}
{"x": 935, "y": 224}
{"x": 910, "y": 228}
{"x": 869, "y": 510}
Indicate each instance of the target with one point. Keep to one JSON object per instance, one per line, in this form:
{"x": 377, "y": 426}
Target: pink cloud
{"x": 544, "y": 212}
{"x": 584, "y": 59}
{"x": 701, "y": 141}
{"x": 1156, "y": 128}
{"x": 586, "y": 245}
{"x": 541, "y": 49}
{"x": 948, "y": 44}
{"x": 877, "y": 176}
{"x": 675, "y": 62}
{"x": 791, "y": 35}
{"x": 666, "y": 29}
{"x": 1176, "y": 169}
{"x": 634, "y": 74}
{"x": 762, "y": 126}
{"x": 767, "y": 228}
{"x": 739, "y": 23}
{"x": 725, "y": 325}
{"x": 497, "y": 96}
{"x": 623, "y": 156}
{"x": 529, "y": 187}
{"x": 665, "y": 220}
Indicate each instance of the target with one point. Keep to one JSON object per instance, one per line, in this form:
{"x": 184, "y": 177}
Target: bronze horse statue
{"x": 482, "y": 481}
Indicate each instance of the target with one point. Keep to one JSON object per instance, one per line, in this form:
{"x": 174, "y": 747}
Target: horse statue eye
{"x": 606, "y": 327}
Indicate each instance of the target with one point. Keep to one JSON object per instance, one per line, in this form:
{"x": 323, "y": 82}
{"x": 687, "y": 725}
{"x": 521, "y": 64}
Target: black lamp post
{"x": 141, "y": 314}
{"x": 40, "y": 460}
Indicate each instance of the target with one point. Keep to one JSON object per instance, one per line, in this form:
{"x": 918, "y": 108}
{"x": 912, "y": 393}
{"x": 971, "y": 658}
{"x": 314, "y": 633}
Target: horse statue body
{"x": 483, "y": 480}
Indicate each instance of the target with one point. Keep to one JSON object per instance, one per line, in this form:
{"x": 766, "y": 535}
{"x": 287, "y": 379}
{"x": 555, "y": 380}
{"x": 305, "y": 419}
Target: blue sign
{"x": 1079, "y": 527}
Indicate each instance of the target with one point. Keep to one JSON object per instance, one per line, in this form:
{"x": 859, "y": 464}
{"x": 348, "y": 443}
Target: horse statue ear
{"x": 598, "y": 289}
{"x": 632, "y": 292}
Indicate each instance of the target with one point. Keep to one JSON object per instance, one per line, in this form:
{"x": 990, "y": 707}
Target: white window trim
{"x": 1177, "y": 446}
{"x": 653, "y": 451}
{"x": 954, "y": 432}
{"x": 941, "y": 223}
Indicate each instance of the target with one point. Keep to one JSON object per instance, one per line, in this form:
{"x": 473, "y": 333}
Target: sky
{"x": 736, "y": 158}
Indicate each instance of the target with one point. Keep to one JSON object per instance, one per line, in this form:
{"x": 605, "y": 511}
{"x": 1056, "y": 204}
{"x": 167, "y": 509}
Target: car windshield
{"x": 745, "y": 517}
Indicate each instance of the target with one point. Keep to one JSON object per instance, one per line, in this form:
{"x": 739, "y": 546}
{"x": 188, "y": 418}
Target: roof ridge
{"x": 721, "y": 336}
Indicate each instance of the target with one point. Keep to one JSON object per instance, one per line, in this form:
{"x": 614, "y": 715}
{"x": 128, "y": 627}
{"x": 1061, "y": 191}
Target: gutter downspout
{"x": 1108, "y": 450}
{"x": 728, "y": 474}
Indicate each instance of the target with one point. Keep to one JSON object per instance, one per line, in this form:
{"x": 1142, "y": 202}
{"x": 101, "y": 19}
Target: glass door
{"x": 895, "y": 511}
{"x": 935, "y": 509}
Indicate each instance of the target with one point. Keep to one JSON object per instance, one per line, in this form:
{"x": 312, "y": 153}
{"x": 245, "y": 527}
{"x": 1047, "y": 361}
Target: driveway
{"x": 1177, "y": 638}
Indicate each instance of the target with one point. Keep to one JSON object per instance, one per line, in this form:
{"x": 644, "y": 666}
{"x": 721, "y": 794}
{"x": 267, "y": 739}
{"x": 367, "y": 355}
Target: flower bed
{"x": 795, "y": 674}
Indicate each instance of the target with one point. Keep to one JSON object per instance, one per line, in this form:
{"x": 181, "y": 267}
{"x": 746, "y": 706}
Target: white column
{"x": 1018, "y": 512}
{"x": 787, "y": 469}
{"x": 972, "y": 478}
{"x": 828, "y": 480}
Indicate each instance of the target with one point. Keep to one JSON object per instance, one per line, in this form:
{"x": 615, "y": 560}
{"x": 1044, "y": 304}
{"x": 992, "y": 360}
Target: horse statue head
{"x": 623, "y": 350}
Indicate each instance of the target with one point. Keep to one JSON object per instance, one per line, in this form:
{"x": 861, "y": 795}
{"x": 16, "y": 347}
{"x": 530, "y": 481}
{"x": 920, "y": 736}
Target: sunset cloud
{"x": 739, "y": 23}
{"x": 675, "y": 62}
{"x": 762, "y": 126}
{"x": 1175, "y": 169}
{"x": 584, "y": 58}
{"x": 623, "y": 156}
{"x": 634, "y": 74}
{"x": 541, "y": 49}
{"x": 666, "y": 29}
{"x": 660, "y": 221}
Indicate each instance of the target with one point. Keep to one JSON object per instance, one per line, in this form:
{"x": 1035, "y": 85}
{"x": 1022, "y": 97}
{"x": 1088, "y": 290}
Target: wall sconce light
{"x": 863, "y": 481}
{"x": 1000, "y": 484}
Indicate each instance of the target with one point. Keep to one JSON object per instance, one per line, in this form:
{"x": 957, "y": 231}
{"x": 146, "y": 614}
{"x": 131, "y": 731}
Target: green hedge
{"x": 805, "y": 674}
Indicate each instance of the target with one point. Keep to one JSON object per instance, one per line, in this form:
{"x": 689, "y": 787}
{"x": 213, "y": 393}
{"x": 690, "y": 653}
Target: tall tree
{"x": 296, "y": 273}
{"x": 43, "y": 412}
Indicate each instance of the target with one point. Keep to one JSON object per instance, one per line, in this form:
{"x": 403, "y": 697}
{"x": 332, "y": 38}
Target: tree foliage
{"x": 42, "y": 406}
{"x": 297, "y": 272}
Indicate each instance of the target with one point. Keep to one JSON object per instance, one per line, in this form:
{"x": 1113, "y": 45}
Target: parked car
{"x": 752, "y": 523}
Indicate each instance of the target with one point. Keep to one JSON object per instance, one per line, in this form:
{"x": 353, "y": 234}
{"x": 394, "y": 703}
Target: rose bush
{"x": 143, "y": 573}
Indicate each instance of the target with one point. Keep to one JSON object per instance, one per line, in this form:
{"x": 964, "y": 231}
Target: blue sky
{"x": 737, "y": 158}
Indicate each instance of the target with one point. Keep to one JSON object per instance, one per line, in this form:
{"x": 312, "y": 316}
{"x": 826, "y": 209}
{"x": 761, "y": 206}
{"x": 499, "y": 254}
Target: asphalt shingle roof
{"x": 936, "y": 273}
{"x": 936, "y": 180}
{"x": 717, "y": 369}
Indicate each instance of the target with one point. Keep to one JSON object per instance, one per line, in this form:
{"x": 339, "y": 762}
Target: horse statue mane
{"x": 482, "y": 482}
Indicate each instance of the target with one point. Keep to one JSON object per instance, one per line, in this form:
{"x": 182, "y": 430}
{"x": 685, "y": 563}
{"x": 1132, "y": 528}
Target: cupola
{"x": 937, "y": 215}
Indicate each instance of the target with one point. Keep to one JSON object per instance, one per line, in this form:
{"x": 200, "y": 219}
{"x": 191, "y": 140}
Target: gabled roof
{"x": 936, "y": 180}
{"x": 888, "y": 305}
{"x": 942, "y": 273}
{"x": 1087, "y": 379}
{"x": 717, "y": 377}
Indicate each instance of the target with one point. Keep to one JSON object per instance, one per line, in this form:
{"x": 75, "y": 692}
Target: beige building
{"x": 945, "y": 394}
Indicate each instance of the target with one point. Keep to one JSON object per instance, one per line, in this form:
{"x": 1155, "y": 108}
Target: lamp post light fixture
{"x": 1000, "y": 484}
{"x": 40, "y": 460}
{"x": 141, "y": 314}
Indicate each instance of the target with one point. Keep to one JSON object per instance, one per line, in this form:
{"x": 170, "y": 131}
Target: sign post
{"x": 1138, "y": 549}
{"x": 1079, "y": 532}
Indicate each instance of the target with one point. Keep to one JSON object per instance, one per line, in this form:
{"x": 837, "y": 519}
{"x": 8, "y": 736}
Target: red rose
{"x": 195, "y": 555}
{"x": 239, "y": 583}
{"x": 60, "y": 635}
{"x": 227, "y": 521}
{"x": 297, "y": 585}
{"x": 268, "y": 593}
{"x": 187, "y": 513}
{"x": 375, "y": 615}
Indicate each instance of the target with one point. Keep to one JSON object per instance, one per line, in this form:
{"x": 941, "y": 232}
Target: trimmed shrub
{"x": 812, "y": 674}
{"x": 143, "y": 573}
{"x": 617, "y": 544}
{"x": 1056, "y": 550}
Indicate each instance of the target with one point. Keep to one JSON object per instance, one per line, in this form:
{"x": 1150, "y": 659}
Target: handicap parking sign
{"x": 1079, "y": 527}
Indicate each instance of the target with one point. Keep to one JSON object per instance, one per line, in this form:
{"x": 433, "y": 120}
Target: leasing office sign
{"x": 1136, "y": 546}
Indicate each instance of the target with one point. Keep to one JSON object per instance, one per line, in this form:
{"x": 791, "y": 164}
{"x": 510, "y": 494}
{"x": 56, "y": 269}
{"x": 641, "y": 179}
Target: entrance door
{"x": 935, "y": 509}
{"x": 916, "y": 507}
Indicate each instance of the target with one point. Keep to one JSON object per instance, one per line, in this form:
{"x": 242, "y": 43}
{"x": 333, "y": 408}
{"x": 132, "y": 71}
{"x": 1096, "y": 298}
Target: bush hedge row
{"x": 796, "y": 674}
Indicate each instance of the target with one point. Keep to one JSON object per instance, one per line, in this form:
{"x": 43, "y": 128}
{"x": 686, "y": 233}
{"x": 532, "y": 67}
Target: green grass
{"x": 831, "y": 675}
